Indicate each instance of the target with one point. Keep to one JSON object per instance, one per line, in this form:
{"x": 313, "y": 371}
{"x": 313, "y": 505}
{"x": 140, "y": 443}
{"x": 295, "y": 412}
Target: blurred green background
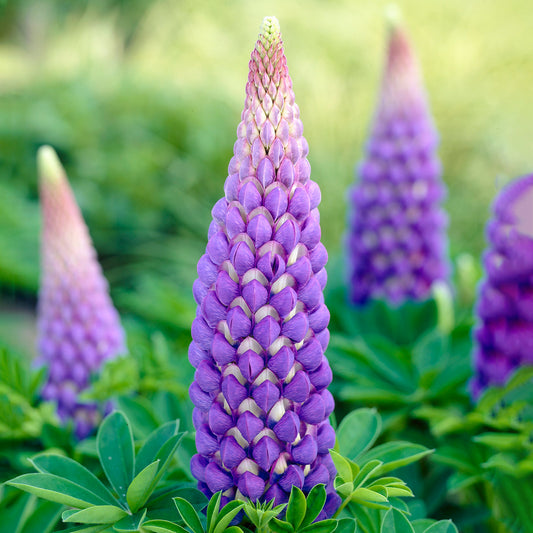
{"x": 142, "y": 99}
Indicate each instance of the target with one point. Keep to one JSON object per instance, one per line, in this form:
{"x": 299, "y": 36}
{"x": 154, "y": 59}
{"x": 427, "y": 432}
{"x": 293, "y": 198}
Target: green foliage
{"x": 135, "y": 485}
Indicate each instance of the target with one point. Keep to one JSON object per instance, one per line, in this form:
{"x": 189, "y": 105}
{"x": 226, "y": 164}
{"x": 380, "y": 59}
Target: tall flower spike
{"x": 260, "y": 390}
{"x": 505, "y": 304}
{"x": 78, "y": 327}
{"x": 396, "y": 238}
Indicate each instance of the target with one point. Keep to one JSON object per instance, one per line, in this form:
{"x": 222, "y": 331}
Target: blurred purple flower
{"x": 505, "y": 305}
{"x": 78, "y": 327}
{"x": 260, "y": 389}
{"x": 396, "y": 238}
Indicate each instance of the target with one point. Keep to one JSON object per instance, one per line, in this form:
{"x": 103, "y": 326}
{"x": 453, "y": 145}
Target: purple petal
{"x": 251, "y": 486}
{"x": 265, "y": 452}
{"x": 286, "y": 172}
{"x": 319, "y": 319}
{"x": 234, "y": 222}
{"x": 305, "y": 451}
{"x": 288, "y": 427}
{"x": 218, "y": 248}
{"x": 250, "y": 364}
{"x": 313, "y": 411}
{"x": 282, "y": 362}
{"x": 322, "y": 376}
{"x": 196, "y": 354}
{"x": 296, "y": 328}
{"x": 288, "y": 235}
{"x": 293, "y": 476}
{"x": 310, "y": 354}
{"x": 276, "y": 202}
{"x": 310, "y": 293}
{"x": 206, "y": 442}
{"x": 301, "y": 270}
{"x": 265, "y": 171}
{"x": 299, "y": 204}
{"x": 249, "y": 197}
{"x": 231, "y": 452}
{"x": 260, "y": 230}
{"x": 199, "y": 290}
{"x": 219, "y": 420}
{"x": 276, "y": 493}
{"x": 219, "y": 211}
{"x": 313, "y": 190}
{"x": 284, "y": 301}
{"x": 255, "y": 295}
{"x": 217, "y": 478}
{"x": 231, "y": 184}
{"x": 242, "y": 258}
{"x": 318, "y": 257}
{"x": 198, "y": 465}
{"x": 207, "y": 271}
{"x": 238, "y": 322}
{"x": 271, "y": 265}
{"x": 199, "y": 398}
{"x": 329, "y": 402}
{"x": 212, "y": 310}
{"x": 226, "y": 289}
{"x": 233, "y": 391}
{"x": 202, "y": 334}
{"x": 319, "y": 475}
{"x": 207, "y": 376}
{"x": 249, "y": 425}
{"x": 223, "y": 352}
{"x": 266, "y": 331}
{"x": 298, "y": 389}
{"x": 276, "y": 152}
{"x": 310, "y": 232}
{"x": 266, "y": 395}
{"x": 325, "y": 438}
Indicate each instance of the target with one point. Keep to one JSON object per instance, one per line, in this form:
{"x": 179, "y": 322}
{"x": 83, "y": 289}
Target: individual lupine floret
{"x": 396, "y": 244}
{"x": 260, "y": 389}
{"x": 78, "y": 327}
{"x": 505, "y": 304}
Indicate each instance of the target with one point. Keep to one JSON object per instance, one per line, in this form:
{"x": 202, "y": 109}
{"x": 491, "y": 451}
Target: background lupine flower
{"x": 260, "y": 390}
{"x": 78, "y": 327}
{"x": 505, "y": 304}
{"x": 396, "y": 237}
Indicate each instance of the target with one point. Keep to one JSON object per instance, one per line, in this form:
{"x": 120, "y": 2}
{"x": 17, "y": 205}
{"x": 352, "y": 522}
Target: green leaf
{"x": 164, "y": 456}
{"x": 363, "y": 494}
{"x": 342, "y": 465}
{"x": 140, "y": 413}
{"x": 189, "y": 515}
{"x": 163, "y": 526}
{"x": 396, "y": 522}
{"x": 324, "y": 526}
{"x": 68, "y": 468}
{"x": 56, "y": 489}
{"x": 315, "y": 502}
{"x": 154, "y": 443}
{"x": 395, "y": 455}
{"x": 367, "y": 471}
{"x": 280, "y": 526}
{"x": 443, "y": 526}
{"x": 213, "y": 508}
{"x": 116, "y": 452}
{"x": 358, "y": 431}
{"x": 233, "y": 529}
{"x": 227, "y": 514}
{"x": 98, "y": 514}
{"x": 296, "y": 508}
{"x": 140, "y": 488}
{"x": 43, "y": 519}
{"x": 130, "y": 523}
{"x": 346, "y": 525}
{"x": 422, "y": 524}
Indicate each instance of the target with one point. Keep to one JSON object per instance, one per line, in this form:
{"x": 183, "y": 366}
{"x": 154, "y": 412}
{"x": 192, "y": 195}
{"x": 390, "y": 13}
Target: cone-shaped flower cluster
{"x": 505, "y": 305}
{"x": 78, "y": 327}
{"x": 396, "y": 236}
{"x": 260, "y": 390}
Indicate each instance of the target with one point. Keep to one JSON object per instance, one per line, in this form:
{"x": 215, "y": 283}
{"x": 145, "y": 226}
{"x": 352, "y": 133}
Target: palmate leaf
{"x": 115, "y": 446}
{"x": 140, "y": 488}
{"x": 315, "y": 502}
{"x": 358, "y": 431}
{"x": 163, "y": 526}
{"x": 189, "y": 515}
{"x": 396, "y": 522}
{"x": 296, "y": 508}
{"x": 154, "y": 443}
{"x": 97, "y": 514}
{"x": 68, "y": 468}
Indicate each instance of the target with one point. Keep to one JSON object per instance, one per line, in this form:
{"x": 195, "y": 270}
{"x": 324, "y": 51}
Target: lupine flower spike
{"x": 78, "y": 327}
{"x": 396, "y": 238}
{"x": 505, "y": 304}
{"x": 260, "y": 389}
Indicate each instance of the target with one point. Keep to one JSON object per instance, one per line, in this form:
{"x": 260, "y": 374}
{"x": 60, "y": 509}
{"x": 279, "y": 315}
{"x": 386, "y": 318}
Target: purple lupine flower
{"x": 396, "y": 241}
{"x": 504, "y": 334}
{"x": 78, "y": 327}
{"x": 260, "y": 389}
